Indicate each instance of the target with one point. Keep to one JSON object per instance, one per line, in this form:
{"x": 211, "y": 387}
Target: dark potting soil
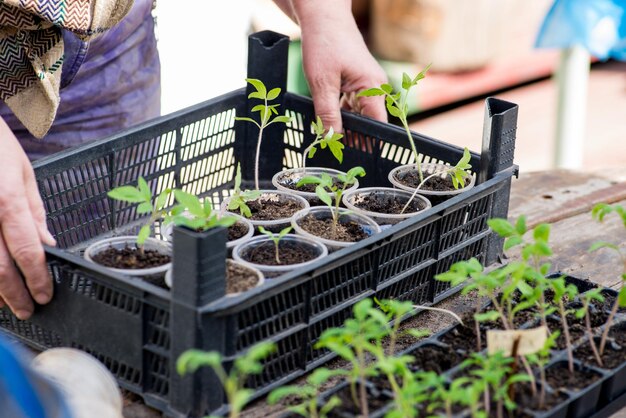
{"x": 436, "y": 359}
{"x": 375, "y": 400}
{"x": 239, "y": 278}
{"x": 346, "y": 231}
{"x": 463, "y": 338}
{"x": 131, "y": 258}
{"x": 576, "y": 331}
{"x": 237, "y": 230}
{"x": 292, "y": 184}
{"x": 434, "y": 184}
{"x": 524, "y": 398}
{"x": 388, "y": 204}
{"x": 270, "y": 209}
{"x": 289, "y": 252}
{"x": 559, "y": 377}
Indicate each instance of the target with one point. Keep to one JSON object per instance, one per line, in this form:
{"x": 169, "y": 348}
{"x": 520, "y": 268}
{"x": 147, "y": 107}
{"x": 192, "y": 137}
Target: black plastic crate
{"x": 138, "y": 330}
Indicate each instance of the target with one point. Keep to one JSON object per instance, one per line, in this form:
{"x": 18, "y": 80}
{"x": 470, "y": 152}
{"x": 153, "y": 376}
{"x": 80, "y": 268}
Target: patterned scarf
{"x": 31, "y": 51}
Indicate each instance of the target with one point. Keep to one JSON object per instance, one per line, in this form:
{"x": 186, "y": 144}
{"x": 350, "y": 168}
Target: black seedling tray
{"x": 138, "y": 330}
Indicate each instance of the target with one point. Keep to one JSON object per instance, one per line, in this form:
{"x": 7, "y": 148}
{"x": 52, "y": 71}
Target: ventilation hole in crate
{"x": 316, "y": 329}
{"x": 293, "y": 138}
{"x": 270, "y": 317}
{"x": 158, "y": 374}
{"x": 464, "y": 223}
{"x": 33, "y": 334}
{"x": 359, "y": 142}
{"x": 476, "y": 249}
{"x": 413, "y": 288}
{"x": 286, "y": 359}
{"x": 158, "y": 327}
{"x": 407, "y": 251}
{"x": 120, "y": 370}
{"x": 291, "y": 159}
{"x": 340, "y": 284}
{"x": 208, "y": 173}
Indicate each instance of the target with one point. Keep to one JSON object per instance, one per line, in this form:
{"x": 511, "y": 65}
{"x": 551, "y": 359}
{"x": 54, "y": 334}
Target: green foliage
{"x": 142, "y": 195}
{"x": 239, "y": 199}
{"x": 197, "y": 214}
{"x": 330, "y": 139}
{"x": 233, "y": 382}
{"x": 275, "y": 238}
{"x": 268, "y": 114}
{"x": 307, "y": 394}
{"x": 326, "y": 186}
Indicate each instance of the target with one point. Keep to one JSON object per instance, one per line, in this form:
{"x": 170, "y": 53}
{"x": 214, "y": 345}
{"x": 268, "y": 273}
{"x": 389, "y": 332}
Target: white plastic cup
{"x": 350, "y": 200}
{"x": 428, "y": 169}
{"x": 131, "y": 241}
{"x": 295, "y": 174}
{"x": 168, "y": 230}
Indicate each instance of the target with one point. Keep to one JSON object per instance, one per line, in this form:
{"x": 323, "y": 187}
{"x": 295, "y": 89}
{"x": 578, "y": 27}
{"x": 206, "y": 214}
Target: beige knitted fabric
{"x": 31, "y": 51}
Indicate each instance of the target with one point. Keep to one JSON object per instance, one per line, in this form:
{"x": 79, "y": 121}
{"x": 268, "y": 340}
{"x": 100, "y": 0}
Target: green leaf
{"x": 190, "y": 201}
{"x": 191, "y": 360}
{"x": 488, "y": 316}
{"x": 144, "y": 233}
{"x": 144, "y": 189}
{"x": 241, "y": 398}
{"x": 258, "y": 85}
{"x": 512, "y": 242}
{"x": 394, "y": 111}
{"x": 406, "y": 81}
{"x": 312, "y": 151}
{"x": 621, "y": 297}
{"x": 336, "y": 148}
{"x": 162, "y": 199}
{"x": 277, "y": 394}
{"x": 248, "y": 120}
{"x": 321, "y": 192}
{"x": 520, "y": 225}
{"x": 463, "y": 163}
{"x": 126, "y": 194}
{"x": 144, "y": 207}
{"x": 258, "y": 108}
{"x": 273, "y": 93}
{"x": 375, "y": 91}
{"x": 282, "y": 119}
{"x": 501, "y": 227}
{"x": 542, "y": 232}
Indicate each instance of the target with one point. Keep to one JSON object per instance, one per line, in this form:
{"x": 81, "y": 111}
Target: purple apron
{"x": 107, "y": 85}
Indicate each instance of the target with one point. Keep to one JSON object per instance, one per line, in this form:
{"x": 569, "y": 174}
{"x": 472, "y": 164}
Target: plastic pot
{"x": 367, "y": 224}
{"x": 293, "y": 175}
{"x": 274, "y": 225}
{"x": 373, "y": 392}
{"x": 584, "y": 402}
{"x": 169, "y": 229}
{"x": 395, "y": 177}
{"x": 243, "y": 251}
{"x": 131, "y": 241}
{"x": 353, "y": 198}
{"x": 253, "y": 270}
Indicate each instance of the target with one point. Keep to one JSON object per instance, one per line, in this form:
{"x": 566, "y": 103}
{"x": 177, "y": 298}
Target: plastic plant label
{"x": 530, "y": 340}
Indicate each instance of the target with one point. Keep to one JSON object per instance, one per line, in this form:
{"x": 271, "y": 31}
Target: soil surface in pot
{"x": 559, "y": 377}
{"x": 433, "y": 184}
{"x": 270, "y": 209}
{"x": 525, "y": 398}
{"x": 289, "y": 253}
{"x": 391, "y": 205}
{"x": 614, "y": 350}
{"x": 237, "y": 230}
{"x": 431, "y": 358}
{"x": 576, "y": 331}
{"x": 292, "y": 184}
{"x": 239, "y": 278}
{"x": 347, "y": 231}
{"x": 131, "y": 258}
{"x": 375, "y": 400}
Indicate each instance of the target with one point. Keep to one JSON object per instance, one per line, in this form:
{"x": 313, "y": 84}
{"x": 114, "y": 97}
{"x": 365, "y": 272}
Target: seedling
{"x": 267, "y": 116}
{"x": 307, "y": 394}
{"x": 457, "y": 174}
{"x": 142, "y": 195}
{"x": 196, "y": 214}
{"x": 397, "y": 106}
{"x": 233, "y": 382}
{"x": 330, "y": 139}
{"x": 325, "y": 183}
{"x": 587, "y": 298}
{"x": 239, "y": 199}
{"x": 563, "y": 291}
{"x": 396, "y": 310}
{"x": 275, "y": 239}
{"x": 599, "y": 211}
{"x": 541, "y": 359}
{"x": 443, "y": 395}
{"x": 352, "y": 341}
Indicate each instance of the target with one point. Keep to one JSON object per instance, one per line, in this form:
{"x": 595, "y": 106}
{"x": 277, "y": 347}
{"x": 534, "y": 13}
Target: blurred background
{"x": 477, "y": 48}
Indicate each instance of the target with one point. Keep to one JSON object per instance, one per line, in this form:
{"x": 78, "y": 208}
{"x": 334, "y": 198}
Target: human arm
{"x": 22, "y": 231}
{"x": 336, "y": 59}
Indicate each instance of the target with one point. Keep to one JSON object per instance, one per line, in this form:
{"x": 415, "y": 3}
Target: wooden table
{"x": 561, "y": 198}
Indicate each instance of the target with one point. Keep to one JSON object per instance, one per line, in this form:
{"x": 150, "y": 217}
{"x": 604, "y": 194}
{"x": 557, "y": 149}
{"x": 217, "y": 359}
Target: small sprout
{"x": 233, "y": 382}
{"x": 142, "y": 195}
{"x": 266, "y": 111}
{"x": 562, "y": 292}
{"x": 330, "y": 139}
{"x": 325, "y": 183}
{"x": 275, "y": 238}
{"x": 199, "y": 214}
{"x": 587, "y": 298}
{"x": 239, "y": 199}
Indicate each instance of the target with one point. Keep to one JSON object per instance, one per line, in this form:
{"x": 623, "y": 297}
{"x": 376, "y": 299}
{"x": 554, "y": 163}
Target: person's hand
{"x": 22, "y": 231}
{"x": 336, "y": 61}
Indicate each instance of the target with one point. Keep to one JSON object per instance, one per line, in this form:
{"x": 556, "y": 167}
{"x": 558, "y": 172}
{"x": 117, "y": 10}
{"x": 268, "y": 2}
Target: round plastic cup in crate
{"x": 244, "y": 252}
{"x": 168, "y": 230}
{"x": 130, "y": 241}
{"x": 274, "y": 225}
{"x": 253, "y": 271}
{"x": 367, "y": 224}
{"x": 385, "y": 196}
{"x": 396, "y": 175}
{"x": 293, "y": 176}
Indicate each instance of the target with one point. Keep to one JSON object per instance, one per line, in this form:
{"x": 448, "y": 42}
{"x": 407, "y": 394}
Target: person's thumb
{"x": 325, "y": 94}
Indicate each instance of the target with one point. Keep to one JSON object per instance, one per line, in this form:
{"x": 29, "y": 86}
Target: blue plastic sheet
{"x": 597, "y": 25}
